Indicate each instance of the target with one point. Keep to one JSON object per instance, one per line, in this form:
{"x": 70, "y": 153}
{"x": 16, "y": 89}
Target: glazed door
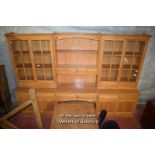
{"x": 42, "y": 56}
{"x": 22, "y": 60}
{"x": 120, "y": 62}
{"x": 132, "y": 61}
{"x": 111, "y": 59}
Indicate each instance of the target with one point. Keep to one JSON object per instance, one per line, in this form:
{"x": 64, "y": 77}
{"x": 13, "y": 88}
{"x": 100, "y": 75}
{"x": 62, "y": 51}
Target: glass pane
{"x": 45, "y": 46}
{"x": 133, "y": 75}
{"x": 29, "y": 74}
{"x": 48, "y": 73}
{"x": 124, "y": 75}
{"x": 47, "y": 61}
{"x": 38, "y": 60}
{"x": 136, "y": 62}
{"x": 130, "y": 47}
{"x": 118, "y": 47}
{"x": 26, "y": 60}
{"x": 139, "y": 47}
{"x": 108, "y": 47}
{"x": 105, "y": 75}
{"x": 18, "y": 60}
{"x": 16, "y": 46}
{"x": 21, "y": 74}
{"x": 106, "y": 61}
{"x": 127, "y": 61}
{"x": 40, "y": 74}
{"x": 113, "y": 75}
{"x": 115, "y": 62}
{"x": 36, "y": 46}
{"x": 24, "y": 46}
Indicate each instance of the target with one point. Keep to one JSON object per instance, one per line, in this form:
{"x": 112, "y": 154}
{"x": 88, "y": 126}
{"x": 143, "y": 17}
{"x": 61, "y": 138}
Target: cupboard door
{"x": 126, "y": 106}
{"x": 109, "y": 105}
{"x": 132, "y": 60}
{"x": 42, "y": 59}
{"x": 112, "y": 52}
{"x": 21, "y": 54}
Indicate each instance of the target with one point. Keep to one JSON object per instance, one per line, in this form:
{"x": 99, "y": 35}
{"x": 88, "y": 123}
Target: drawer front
{"x": 128, "y": 96}
{"x": 81, "y": 71}
{"x": 87, "y": 97}
{"x": 66, "y": 97}
{"x": 91, "y": 71}
{"x": 66, "y": 71}
{"x": 85, "y": 71}
{"x": 108, "y": 97}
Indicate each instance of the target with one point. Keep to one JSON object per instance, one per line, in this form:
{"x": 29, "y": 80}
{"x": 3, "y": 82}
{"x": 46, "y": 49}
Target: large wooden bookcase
{"x": 100, "y": 68}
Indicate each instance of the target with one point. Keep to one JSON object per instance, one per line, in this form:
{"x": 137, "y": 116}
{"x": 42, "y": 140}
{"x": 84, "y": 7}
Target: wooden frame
{"x": 4, "y": 123}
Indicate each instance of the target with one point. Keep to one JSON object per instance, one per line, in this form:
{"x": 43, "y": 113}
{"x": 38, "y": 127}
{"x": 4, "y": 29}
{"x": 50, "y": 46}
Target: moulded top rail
{"x": 94, "y": 36}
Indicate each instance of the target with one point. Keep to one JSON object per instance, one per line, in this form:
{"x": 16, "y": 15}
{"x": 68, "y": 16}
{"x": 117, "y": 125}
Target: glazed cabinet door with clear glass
{"x": 121, "y": 59}
{"x": 33, "y": 59}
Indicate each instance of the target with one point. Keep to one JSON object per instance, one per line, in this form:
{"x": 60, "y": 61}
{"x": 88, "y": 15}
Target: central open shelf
{"x": 77, "y": 62}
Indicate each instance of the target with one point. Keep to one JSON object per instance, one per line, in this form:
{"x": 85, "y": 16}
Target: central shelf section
{"x": 76, "y": 62}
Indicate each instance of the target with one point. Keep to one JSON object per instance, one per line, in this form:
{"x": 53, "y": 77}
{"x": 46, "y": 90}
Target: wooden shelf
{"x": 107, "y": 66}
{"x": 43, "y": 52}
{"x": 43, "y": 66}
{"x": 109, "y": 53}
{"x": 128, "y": 67}
{"x": 75, "y": 66}
{"x": 129, "y": 53}
{"x": 28, "y": 65}
{"x": 21, "y": 52}
{"x": 78, "y": 51}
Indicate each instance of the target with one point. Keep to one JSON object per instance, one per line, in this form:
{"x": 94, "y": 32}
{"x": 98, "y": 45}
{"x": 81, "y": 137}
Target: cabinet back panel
{"x": 77, "y": 44}
{"x": 78, "y": 81}
{"x": 76, "y": 58}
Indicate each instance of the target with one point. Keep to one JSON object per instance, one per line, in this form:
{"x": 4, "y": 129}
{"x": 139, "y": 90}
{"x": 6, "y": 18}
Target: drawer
{"x": 87, "y": 97}
{"x": 109, "y": 97}
{"x": 85, "y": 71}
{"x": 66, "y": 97}
{"x": 81, "y": 71}
{"x": 128, "y": 96}
{"x": 66, "y": 71}
{"x": 91, "y": 71}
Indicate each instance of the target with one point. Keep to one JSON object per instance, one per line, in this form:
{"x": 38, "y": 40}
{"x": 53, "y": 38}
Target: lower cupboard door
{"x": 126, "y": 106}
{"x": 110, "y": 106}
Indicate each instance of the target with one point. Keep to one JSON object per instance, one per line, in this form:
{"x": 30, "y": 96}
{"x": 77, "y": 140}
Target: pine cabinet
{"x": 33, "y": 59}
{"x": 121, "y": 59}
{"x": 100, "y": 68}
